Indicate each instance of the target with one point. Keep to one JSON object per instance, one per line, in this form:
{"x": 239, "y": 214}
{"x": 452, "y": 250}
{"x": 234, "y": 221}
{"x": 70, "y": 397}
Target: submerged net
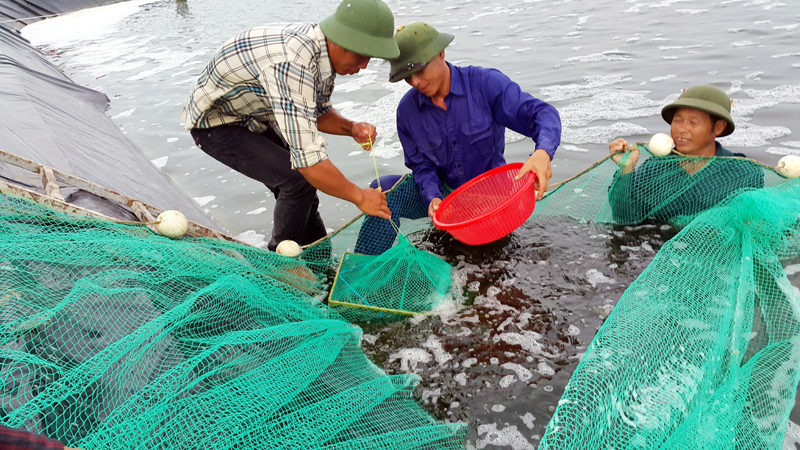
{"x": 360, "y": 292}
{"x": 703, "y": 349}
{"x": 376, "y": 274}
{"x": 114, "y": 337}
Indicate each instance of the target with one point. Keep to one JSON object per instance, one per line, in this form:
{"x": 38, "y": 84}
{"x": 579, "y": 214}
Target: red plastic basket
{"x": 488, "y": 207}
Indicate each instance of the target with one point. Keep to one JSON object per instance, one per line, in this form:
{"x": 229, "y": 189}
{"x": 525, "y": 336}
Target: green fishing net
{"x": 670, "y": 189}
{"x": 112, "y": 337}
{"x": 376, "y": 273}
{"x": 703, "y": 349}
{"x": 361, "y": 292}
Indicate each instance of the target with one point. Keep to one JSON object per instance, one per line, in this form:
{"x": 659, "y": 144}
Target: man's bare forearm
{"x": 334, "y": 123}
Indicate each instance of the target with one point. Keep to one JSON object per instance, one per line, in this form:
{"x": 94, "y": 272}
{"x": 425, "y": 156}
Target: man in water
{"x": 666, "y": 188}
{"x": 260, "y": 104}
{"x": 452, "y": 127}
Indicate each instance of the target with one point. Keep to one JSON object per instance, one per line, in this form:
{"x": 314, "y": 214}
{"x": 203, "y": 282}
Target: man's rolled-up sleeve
{"x": 292, "y": 92}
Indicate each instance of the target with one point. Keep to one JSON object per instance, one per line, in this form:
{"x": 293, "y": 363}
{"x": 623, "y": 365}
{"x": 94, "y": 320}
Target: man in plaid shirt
{"x": 260, "y": 104}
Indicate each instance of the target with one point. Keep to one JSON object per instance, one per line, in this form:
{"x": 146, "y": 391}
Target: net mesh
{"x": 114, "y": 337}
{"x": 702, "y": 350}
{"x": 361, "y": 286}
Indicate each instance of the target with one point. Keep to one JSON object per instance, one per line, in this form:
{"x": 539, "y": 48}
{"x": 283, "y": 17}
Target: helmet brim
{"x": 668, "y": 112}
{"x": 424, "y": 55}
{"x": 358, "y": 41}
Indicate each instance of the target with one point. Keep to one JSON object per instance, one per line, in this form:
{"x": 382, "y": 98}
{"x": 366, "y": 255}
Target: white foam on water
{"x": 610, "y": 55}
{"x": 86, "y": 24}
{"x": 257, "y": 211}
{"x": 527, "y": 340}
{"x": 573, "y": 148}
{"x": 791, "y": 27}
{"x": 795, "y": 144}
{"x": 545, "y": 369}
{"x": 250, "y": 237}
{"x": 601, "y": 134}
{"x": 785, "y": 55}
{"x": 469, "y": 362}
{"x": 382, "y": 114}
{"x": 460, "y": 378}
{"x": 744, "y": 43}
{"x": 528, "y": 420}
{"x": 160, "y": 162}
{"x": 358, "y": 82}
{"x": 369, "y": 338}
{"x": 202, "y": 201}
{"x": 172, "y": 139}
{"x": 665, "y": 77}
{"x": 409, "y": 358}
{"x": 691, "y": 11}
{"x": 572, "y": 330}
{"x": 435, "y": 346}
{"x": 782, "y": 151}
{"x": 792, "y": 269}
{"x": 507, "y": 437}
{"x": 749, "y": 135}
{"x": 557, "y": 93}
{"x": 522, "y": 373}
{"x": 792, "y": 437}
{"x": 431, "y": 395}
{"x": 124, "y": 113}
{"x": 596, "y": 277}
{"x": 612, "y": 105}
{"x": 498, "y": 408}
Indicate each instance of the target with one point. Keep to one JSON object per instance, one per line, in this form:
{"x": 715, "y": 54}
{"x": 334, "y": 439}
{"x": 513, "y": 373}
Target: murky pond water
{"x": 532, "y": 303}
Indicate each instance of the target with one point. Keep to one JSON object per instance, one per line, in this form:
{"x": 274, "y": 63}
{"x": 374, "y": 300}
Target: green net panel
{"x": 364, "y": 289}
{"x": 112, "y": 337}
{"x": 395, "y": 280}
{"x": 669, "y": 189}
{"x": 703, "y": 349}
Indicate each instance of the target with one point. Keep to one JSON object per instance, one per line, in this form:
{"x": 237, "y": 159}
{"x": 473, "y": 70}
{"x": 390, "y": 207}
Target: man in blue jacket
{"x": 452, "y": 127}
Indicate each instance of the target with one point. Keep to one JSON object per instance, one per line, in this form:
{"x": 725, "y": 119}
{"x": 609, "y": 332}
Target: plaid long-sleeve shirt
{"x": 277, "y": 75}
{"x": 13, "y": 439}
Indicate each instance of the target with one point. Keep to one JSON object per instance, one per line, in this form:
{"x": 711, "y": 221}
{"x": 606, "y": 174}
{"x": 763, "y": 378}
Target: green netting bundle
{"x": 703, "y": 349}
{"x": 400, "y": 281}
{"x": 112, "y": 337}
{"x": 670, "y": 189}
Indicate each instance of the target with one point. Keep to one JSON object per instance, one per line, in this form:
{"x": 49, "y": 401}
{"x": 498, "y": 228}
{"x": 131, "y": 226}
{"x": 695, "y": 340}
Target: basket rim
{"x": 531, "y": 176}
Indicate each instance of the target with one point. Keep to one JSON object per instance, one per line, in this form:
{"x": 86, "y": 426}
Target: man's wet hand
{"x": 365, "y": 134}
{"x": 434, "y": 206}
{"x": 373, "y": 203}
{"x": 618, "y": 149}
{"x": 538, "y": 163}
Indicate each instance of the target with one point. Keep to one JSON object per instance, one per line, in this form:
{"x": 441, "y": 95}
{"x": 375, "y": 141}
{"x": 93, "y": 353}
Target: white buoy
{"x": 661, "y": 144}
{"x": 288, "y": 248}
{"x": 789, "y": 166}
{"x": 173, "y": 224}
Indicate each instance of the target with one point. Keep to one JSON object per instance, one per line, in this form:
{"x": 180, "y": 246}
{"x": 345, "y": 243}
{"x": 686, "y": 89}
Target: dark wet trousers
{"x": 378, "y": 235}
{"x": 265, "y": 158}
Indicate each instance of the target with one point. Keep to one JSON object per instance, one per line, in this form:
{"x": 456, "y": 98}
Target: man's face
{"x": 693, "y": 131}
{"x": 429, "y": 80}
{"x": 346, "y": 62}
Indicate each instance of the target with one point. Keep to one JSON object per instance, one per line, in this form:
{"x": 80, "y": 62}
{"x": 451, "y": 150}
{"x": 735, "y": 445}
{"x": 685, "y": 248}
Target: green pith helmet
{"x": 365, "y": 27}
{"x": 705, "y": 98}
{"x": 419, "y": 43}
